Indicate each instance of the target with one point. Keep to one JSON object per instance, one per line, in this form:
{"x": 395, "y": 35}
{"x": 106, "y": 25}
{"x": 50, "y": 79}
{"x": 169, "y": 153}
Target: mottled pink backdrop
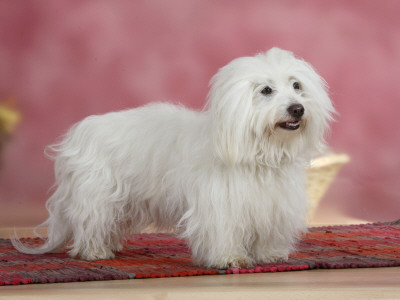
{"x": 64, "y": 60}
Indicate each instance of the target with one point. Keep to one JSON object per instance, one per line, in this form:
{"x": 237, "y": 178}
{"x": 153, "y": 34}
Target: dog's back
{"x": 111, "y": 172}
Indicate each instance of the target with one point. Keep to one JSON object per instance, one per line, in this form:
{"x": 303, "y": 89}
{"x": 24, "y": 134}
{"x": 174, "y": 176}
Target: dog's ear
{"x": 230, "y": 105}
{"x": 318, "y": 103}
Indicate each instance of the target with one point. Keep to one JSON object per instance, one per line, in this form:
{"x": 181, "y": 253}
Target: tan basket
{"x": 320, "y": 175}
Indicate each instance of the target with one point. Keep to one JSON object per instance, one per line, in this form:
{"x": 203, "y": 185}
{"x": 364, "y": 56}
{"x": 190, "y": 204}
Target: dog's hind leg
{"x": 98, "y": 217}
{"x": 96, "y": 236}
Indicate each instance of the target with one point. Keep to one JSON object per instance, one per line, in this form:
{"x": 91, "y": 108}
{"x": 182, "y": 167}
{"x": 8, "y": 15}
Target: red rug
{"x": 163, "y": 255}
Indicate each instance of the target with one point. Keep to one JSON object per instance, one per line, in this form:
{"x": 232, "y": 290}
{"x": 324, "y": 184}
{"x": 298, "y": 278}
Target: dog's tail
{"x": 57, "y": 238}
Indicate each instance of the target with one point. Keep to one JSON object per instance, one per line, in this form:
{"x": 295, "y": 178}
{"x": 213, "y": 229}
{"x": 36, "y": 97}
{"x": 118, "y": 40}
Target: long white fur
{"x": 228, "y": 178}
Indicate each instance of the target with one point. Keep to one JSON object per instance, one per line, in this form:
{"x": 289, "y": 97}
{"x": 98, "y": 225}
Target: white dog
{"x": 229, "y": 178}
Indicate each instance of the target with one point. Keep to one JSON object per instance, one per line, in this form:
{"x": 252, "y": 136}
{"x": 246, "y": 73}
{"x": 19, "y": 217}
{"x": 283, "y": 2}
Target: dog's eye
{"x": 296, "y": 85}
{"x": 266, "y": 91}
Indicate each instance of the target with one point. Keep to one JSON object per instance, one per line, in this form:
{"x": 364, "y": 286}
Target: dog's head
{"x": 268, "y": 109}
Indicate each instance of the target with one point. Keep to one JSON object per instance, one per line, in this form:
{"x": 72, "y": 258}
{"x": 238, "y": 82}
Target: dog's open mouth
{"x": 294, "y": 125}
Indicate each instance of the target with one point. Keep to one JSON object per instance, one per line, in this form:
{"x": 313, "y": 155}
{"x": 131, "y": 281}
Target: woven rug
{"x": 163, "y": 255}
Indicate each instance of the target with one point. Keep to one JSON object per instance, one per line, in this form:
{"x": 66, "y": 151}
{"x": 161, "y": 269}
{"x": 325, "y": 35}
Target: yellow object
{"x": 320, "y": 175}
{"x": 9, "y": 117}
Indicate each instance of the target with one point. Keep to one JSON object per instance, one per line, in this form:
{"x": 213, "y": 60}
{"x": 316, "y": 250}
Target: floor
{"x": 381, "y": 283}
{"x": 378, "y": 283}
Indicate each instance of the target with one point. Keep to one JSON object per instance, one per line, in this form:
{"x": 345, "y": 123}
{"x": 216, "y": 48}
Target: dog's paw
{"x": 97, "y": 255}
{"x": 234, "y": 262}
{"x": 269, "y": 258}
{"x": 118, "y": 248}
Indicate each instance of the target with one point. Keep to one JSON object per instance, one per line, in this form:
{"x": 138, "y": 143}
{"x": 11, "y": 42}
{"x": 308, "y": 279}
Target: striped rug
{"x": 164, "y": 255}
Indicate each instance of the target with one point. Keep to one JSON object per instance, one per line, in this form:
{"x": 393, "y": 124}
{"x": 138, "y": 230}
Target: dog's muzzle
{"x": 296, "y": 111}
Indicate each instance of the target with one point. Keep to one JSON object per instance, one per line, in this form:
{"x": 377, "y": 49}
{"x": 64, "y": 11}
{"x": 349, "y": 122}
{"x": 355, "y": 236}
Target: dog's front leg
{"x": 271, "y": 250}
{"x": 217, "y": 241}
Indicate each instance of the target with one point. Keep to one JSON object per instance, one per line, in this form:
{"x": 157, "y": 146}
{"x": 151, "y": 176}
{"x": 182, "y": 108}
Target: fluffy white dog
{"x": 229, "y": 178}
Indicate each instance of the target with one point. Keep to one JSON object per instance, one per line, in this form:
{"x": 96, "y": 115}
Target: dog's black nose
{"x": 296, "y": 110}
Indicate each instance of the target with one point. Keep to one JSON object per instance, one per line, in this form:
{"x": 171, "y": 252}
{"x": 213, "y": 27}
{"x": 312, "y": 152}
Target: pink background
{"x": 64, "y": 60}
